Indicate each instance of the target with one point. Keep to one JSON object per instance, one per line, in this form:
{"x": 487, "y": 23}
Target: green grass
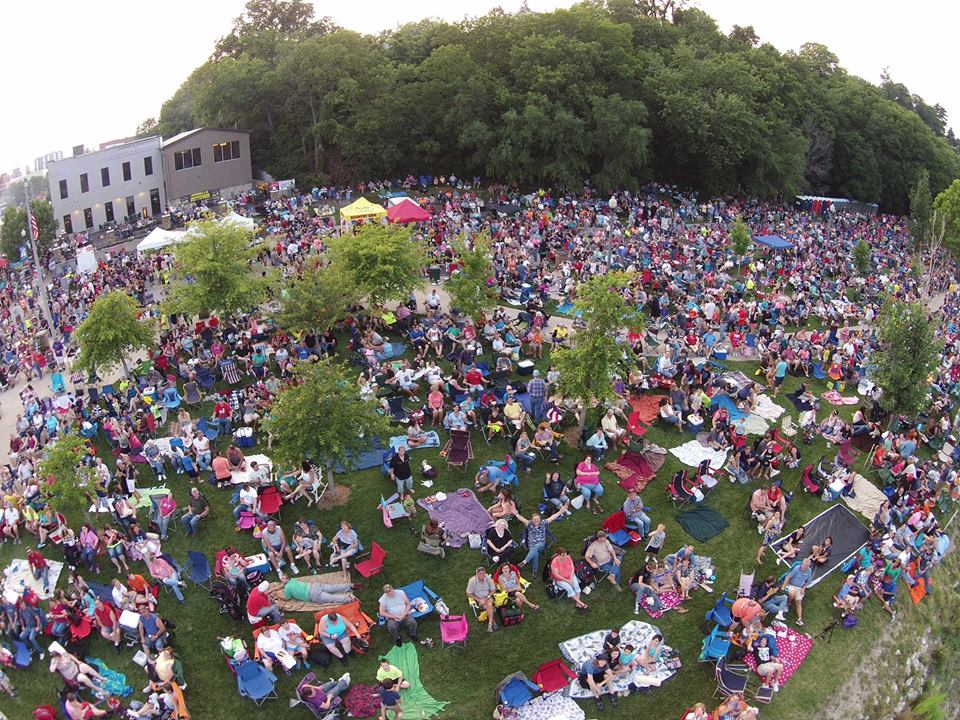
{"x": 467, "y": 679}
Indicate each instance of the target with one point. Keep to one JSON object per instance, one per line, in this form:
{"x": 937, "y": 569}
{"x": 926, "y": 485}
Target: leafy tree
{"x": 14, "y": 228}
{"x": 586, "y": 369}
{"x": 148, "y": 127}
{"x": 469, "y": 292}
{"x": 909, "y": 352}
{"x": 314, "y": 300}
{"x": 861, "y": 257}
{"x": 111, "y": 332}
{"x": 321, "y": 417}
{"x": 382, "y": 262}
{"x": 745, "y": 35}
{"x": 947, "y": 206}
{"x": 921, "y": 208}
{"x": 72, "y": 482}
{"x": 212, "y": 271}
{"x": 740, "y": 240}
{"x": 283, "y": 17}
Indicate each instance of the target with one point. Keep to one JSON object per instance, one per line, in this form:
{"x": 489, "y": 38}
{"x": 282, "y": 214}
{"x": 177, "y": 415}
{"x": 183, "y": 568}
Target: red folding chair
{"x": 553, "y": 676}
{"x": 373, "y": 564}
{"x": 270, "y": 501}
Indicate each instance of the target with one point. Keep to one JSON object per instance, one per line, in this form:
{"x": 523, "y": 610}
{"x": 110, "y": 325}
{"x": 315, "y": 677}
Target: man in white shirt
{"x": 248, "y": 500}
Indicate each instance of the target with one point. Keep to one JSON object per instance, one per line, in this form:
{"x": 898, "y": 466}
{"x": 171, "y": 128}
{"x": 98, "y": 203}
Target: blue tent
{"x": 774, "y": 241}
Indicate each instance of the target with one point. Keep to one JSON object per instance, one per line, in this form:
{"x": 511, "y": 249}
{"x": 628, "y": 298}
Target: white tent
{"x": 159, "y": 238}
{"x": 236, "y": 219}
{"x": 397, "y": 199}
{"x": 86, "y": 260}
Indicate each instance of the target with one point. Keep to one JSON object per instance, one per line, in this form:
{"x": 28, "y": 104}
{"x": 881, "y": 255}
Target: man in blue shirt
{"x": 779, "y": 375}
{"x": 537, "y": 389}
{"x": 796, "y": 582}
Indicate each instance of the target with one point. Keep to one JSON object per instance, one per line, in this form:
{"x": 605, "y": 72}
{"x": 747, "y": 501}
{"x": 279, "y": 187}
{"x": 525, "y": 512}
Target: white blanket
{"x": 586, "y": 647}
{"x": 768, "y": 409}
{"x": 555, "y": 707}
{"x": 17, "y": 576}
{"x": 868, "y": 498}
{"x": 755, "y": 425}
{"x": 692, "y": 453}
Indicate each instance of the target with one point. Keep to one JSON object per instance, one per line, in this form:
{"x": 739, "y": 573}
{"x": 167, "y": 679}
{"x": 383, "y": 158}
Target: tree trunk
{"x": 126, "y": 370}
{"x": 331, "y": 483}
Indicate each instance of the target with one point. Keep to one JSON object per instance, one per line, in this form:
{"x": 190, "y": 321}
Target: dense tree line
{"x": 607, "y": 93}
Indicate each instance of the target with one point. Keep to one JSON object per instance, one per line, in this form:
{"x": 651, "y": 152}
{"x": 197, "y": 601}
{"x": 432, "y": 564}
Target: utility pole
{"x": 44, "y": 302}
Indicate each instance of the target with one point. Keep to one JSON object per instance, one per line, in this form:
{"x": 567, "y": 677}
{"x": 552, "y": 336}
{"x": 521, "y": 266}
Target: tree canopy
{"x": 212, "y": 271}
{"x": 111, "y": 332}
{"x": 314, "y": 299}
{"x": 469, "y": 292}
{"x": 71, "y": 481}
{"x": 907, "y": 356}
{"x": 15, "y": 224}
{"x": 382, "y": 262}
{"x": 608, "y": 92}
{"x": 321, "y": 417}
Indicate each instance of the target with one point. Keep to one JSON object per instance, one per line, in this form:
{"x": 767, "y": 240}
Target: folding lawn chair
{"x": 210, "y": 432}
{"x": 191, "y": 394}
{"x": 229, "y": 372}
{"x": 256, "y": 682}
{"x": 730, "y": 679}
{"x": 394, "y": 511}
{"x": 618, "y": 533}
{"x": 57, "y": 385}
{"x": 553, "y": 677}
{"x": 516, "y": 690}
{"x": 720, "y": 612}
{"x": 459, "y": 450}
{"x": 397, "y": 412}
{"x": 745, "y": 588}
{"x": 373, "y": 564}
{"x": 270, "y": 501}
{"x": 198, "y": 569}
{"x": 454, "y": 630}
{"x": 422, "y": 599}
{"x": 715, "y": 645}
{"x": 330, "y": 714}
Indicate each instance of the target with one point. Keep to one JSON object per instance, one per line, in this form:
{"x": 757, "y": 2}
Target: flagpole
{"x": 45, "y": 303}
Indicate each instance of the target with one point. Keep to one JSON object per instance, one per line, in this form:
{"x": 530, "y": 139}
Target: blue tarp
{"x": 774, "y": 241}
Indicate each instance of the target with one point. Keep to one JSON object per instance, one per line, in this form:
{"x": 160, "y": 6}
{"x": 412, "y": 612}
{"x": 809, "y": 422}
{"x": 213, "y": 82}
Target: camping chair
{"x": 229, "y": 372}
{"x": 270, "y": 501}
{"x": 730, "y": 681}
{"x": 764, "y": 694}
{"x": 395, "y": 409}
{"x": 57, "y": 385}
{"x": 210, "y": 432}
{"x": 22, "y": 656}
{"x": 192, "y": 394}
{"x": 618, "y": 533}
{"x": 817, "y": 371}
{"x": 393, "y": 511}
{"x": 745, "y": 588}
{"x": 335, "y": 707}
{"x": 715, "y": 645}
{"x": 844, "y": 457}
{"x": 635, "y": 425}
{"x": 205, "y": 379}
{"x": 516, "y": 690}
{"x": 678, "y": 491}
{"x": 459, "y": 450}
{"x": 705, "y": 477}
{"x": 720, "y": 612}
{"x": 808, "y": 484}
{"x": 422, "y": 599}
{"x": 553, "y": 677}
{"x": 256, "y": 682}
{"x": 198, "y": 569}
{"x": 454, "y": 630}
{"x": 373, "y": 564}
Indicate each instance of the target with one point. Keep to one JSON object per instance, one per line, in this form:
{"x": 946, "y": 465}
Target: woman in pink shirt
{"x": 435, "y": 403}
{"x": 588, "y": 481}
{"x": 89, "y": 542}
{"x": 165, "y": 573}
{"x": 563, "y": 574}
{"x": 165, "y": 509}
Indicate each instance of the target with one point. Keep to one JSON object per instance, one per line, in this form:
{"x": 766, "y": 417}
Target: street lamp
{"x": 612, "y": 204}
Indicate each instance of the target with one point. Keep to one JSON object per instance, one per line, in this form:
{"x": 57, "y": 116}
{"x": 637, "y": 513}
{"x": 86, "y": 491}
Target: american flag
{"x": 34, "y": 231}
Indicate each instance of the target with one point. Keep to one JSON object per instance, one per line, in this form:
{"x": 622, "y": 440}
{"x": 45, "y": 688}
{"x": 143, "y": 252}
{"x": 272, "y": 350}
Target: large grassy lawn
{"x": 466, "y": 678}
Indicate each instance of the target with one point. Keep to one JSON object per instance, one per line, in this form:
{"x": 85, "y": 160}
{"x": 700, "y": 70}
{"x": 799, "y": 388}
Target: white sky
{"x": 90, "y": 72}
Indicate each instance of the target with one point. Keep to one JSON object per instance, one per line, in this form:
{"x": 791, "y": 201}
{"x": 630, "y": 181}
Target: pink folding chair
{"x": 454, "y": 630}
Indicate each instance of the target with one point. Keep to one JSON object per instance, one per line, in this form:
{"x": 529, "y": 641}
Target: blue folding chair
{"x": 720, "y": 612}
{"x": 817, "y": 371}
{"x": 57, "y": 384}
{"x": 198, "y": 569}
{"x": 205, "y": 379}
{"x": 209, "y": 431}
{"x": 516, "y": 690}
{"x": 256, "y": 682}
{"x": 415, "y": 592}
{"x": 715, "y": 645}
{"x": 22, "y": 657}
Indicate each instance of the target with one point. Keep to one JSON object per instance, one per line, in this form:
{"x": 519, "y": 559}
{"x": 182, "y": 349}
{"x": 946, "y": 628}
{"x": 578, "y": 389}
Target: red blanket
{"x": 648, "y": 407}
{"x": 793, "y": 651}
{"x": 635, "y": 470}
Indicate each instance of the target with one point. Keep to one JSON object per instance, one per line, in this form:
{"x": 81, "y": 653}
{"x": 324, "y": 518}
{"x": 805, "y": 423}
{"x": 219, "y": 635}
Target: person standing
{"x": 537, "y": 389}
{"x": 400, "y": 471}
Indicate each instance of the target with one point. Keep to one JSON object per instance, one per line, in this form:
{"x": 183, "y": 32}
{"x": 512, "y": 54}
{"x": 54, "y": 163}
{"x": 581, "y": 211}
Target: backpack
{"x": 362, "y": 701}
{"x": 510, "y": 615}
{"x": 585, "y": 574}
{"x": 554, "y": 591}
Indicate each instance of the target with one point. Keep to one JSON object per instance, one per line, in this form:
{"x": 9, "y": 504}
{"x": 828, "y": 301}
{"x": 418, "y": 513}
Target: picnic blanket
{"x": 692, "y": 453}
{"x": 868, "y": 498}
{"x": 460, "y": 513}
{"x": 702, "y": 522}
{"x": 754, "y": 424}
{"x": 417, "y": 702}
{"x": 768, "y": 409}
{"x": 275, "y": 592}
{"x": 635, "y": 469}
{"x": 736, "y": 380}
{"x": 364, "y": 461}
{"x": 398, "y": 441}
{"x": 17, "y": 577}
{"x": 835, "y": 398}
{"x": 105, "y": 505}
{"x": 114, "y": 683}
{"x": 793, "y": 647}
{"x": 554, "y": 707}
{"x": 648, "y": 407}
{"x": 669, "y": 600}
{"x": 586, "y": 647}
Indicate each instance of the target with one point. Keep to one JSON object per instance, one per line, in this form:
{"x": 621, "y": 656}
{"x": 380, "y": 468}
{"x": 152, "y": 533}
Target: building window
{"x": 131, "y": 207}
{"x": 84, "y": 183}
{"x": 126, "y": 172}
{"x": 108, "y": 209}
{"x": 184, "y": 159}
{"x": 148, "y": 166}
{"x": 63, "y": 189}
{"x": 105, "y": 177}
{"x": 88, "y": 218}
{"x": 155, "y": 208}
{"x": 67, "y": 225}
{"x": 226, "y": 151}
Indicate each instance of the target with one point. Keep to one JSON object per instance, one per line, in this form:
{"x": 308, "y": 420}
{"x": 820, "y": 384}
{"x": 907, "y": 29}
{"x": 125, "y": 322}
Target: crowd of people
{"x": 805, "y": 312}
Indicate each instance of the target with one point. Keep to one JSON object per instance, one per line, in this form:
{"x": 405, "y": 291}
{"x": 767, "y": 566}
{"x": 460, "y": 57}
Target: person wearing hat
{"x": 396, "y": 609}
{"x": 260, "y": 606}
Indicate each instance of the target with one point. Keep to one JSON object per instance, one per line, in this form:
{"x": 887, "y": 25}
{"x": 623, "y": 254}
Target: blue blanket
{"x": 721, "y": 400}
{"x": 391, "y": 350}
{"x": 398, "y": 441}
{"x": 364, "y": 461}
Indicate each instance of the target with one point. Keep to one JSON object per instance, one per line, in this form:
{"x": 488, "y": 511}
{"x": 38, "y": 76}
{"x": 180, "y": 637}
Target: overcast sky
{"x": 90, "y": 72}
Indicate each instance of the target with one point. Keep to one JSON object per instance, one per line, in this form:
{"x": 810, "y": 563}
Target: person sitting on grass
{"x": 386, "y": 671}
{"x": 505, "y": 506}
{"x": 650, "y": 656}
{"x": 596, "y": 676}
{"x": 72, "y": 671}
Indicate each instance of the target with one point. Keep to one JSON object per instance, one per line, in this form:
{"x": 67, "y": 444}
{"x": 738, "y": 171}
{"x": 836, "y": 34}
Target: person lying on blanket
{"x": 320, "y": 592}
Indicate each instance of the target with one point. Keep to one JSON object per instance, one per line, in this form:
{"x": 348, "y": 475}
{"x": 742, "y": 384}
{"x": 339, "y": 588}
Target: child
{"x": 389, "y": 700}
{"x": 409, "y": 504}
{"x": 655, "y": 543}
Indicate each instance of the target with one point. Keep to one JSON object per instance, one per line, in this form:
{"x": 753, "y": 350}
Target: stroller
{"x": 228, "y": 599}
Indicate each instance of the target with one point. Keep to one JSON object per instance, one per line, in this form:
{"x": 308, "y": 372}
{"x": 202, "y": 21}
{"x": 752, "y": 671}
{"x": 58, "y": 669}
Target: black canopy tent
{"x": 839, "y": 523}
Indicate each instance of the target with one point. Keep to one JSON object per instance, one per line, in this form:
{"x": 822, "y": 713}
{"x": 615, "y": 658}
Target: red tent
{"x": 406, "y": 212}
